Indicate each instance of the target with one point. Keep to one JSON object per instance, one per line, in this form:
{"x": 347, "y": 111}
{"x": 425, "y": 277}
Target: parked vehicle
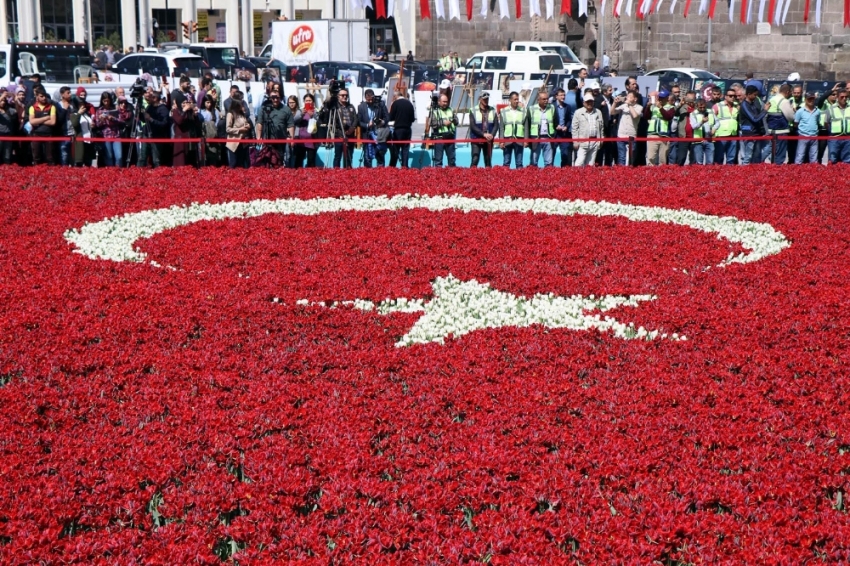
{"x": 494, "y": 68}
{"x": 572, "y": 64}
{"x": 222, "y": 57}
{"x": 682, "y": 74}
{"x": 170, "y": 64}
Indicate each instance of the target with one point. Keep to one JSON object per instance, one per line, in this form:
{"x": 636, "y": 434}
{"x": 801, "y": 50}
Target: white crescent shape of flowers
{"x": 458, "y": 307}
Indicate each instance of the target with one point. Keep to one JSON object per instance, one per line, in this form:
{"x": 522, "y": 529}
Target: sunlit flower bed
{"x": 596, "y": 367}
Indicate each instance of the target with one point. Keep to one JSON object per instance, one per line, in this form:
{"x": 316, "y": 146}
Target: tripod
{"x": 135, "y": 132}
{"x": 334, "y": 127}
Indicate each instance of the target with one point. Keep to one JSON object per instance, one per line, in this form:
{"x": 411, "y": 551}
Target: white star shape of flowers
{"x": 460, "y": 307}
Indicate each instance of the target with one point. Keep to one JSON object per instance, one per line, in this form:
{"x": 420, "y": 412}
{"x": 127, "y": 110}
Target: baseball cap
{"x": 811, "y": 94}
{"x": 445, "y": 83}
{"x": 664, "y": 94}
{"x": 589, "y": 98}
{"x": 484, "y": 95}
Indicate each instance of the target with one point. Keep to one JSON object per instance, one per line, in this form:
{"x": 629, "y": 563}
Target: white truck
{"x": 299, "y": 42}
{"x": 572, "y": 64}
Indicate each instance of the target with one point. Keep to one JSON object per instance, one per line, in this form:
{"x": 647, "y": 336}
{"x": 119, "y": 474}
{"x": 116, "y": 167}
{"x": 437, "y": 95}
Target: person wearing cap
{"x": 806, "y": 121}
{"x": 587, "y": 125}
{"x": 483, "y": 125}
{"x": 725, "y": 138}
{"x": 659, "y": 112}
{"x": 826, "y": 101}
{"x": 780, "y": 116}
{"x": 512, "y": 120}
{"x": 702, "y": 125}
{"x": 82, "y": 120}
{"x": 754, "y": 82}
{"x": 443, "y": 125}
{"x": 540, "y": 125}
{"x": 838, "y": 123}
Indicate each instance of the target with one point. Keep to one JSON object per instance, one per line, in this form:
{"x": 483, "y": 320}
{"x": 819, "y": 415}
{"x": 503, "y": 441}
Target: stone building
{"x": 664, "y": 39}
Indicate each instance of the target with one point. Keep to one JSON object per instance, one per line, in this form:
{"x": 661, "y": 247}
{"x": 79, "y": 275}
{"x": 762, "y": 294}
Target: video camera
{"x": 138, "y": 89}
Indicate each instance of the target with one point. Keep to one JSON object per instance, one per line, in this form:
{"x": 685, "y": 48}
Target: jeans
{"x": 566, "y": 149}
{"x": 448, "y": 149}
{"x": 65, "y": 153}
{"x": 752, "y": 152}
{"x": 623, "y": 153}
{"x": 6, "y": 151}
{"x": 515, "y": 150}
{"x": 151, "y": 149}
{"x": 703, "y": 153}
{"x": 400, "y": 150}
{"x": 673, "y": 150}
{"x": 239, "y": 158}
{"x": 342, "y": 154}
{"x": 371, "y": 151}
{"x": 546, "y": 148}
{"x": 781, "y": 151}
{"x": 113, "y": 153}
{"x": 478, "y": 149}
{"x": 725, "y": 151}
{"x": 839, "y": 151}
{"x": 806, "y": 148}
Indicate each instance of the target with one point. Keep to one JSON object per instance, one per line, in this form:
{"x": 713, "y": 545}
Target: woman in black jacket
{"x": 8, "y": 128}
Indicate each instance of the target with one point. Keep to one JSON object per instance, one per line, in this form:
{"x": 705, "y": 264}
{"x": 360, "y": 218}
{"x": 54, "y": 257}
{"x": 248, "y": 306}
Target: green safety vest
{"x": 658, "y": 126}
{"x": 776, "y": 120}
{"x": 825, "y": 111}
{"x": 478, "y": 116}
{"x": 513, "y": 121}
{"x": 728, "y": 120}
{"x": 536, "y": 114}
{"x": 441, "y": 115}
{"x": 446, "y": 63}
{"x": 839, "y": 121}
{"x": 698, "y": 133}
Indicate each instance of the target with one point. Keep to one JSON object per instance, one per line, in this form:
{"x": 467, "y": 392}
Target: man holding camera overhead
{"x": 443, "y": 127}
{"x": 373, "y": 116}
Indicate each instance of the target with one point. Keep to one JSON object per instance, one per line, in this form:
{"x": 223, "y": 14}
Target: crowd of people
{"x": 585, "y": 126}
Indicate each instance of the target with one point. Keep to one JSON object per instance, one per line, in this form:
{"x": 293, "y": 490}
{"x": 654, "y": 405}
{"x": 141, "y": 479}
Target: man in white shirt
{"x": 587, "y": 125}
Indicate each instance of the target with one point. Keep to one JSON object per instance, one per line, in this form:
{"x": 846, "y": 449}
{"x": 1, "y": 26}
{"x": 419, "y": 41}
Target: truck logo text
{"x": 301, "y": 40}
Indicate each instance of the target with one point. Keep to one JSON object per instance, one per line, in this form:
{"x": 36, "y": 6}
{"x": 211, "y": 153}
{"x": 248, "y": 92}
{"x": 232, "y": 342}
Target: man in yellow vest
{"x": 540, "y": 125}
{"x": 443, "y": 127}
{"x": 726, "y": 116}
{"x": 780, "y": 116}
{"x": 703, "y": 125}
{"x": 513, "y": 128}
{"x": 483, "y": 125}
{"x": 660, "y": 115}
{"x": 838, "y": 123}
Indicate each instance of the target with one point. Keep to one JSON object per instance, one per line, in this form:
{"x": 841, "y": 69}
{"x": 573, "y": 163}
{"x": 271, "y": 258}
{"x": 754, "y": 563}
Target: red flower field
{"x": 222, "y": 398}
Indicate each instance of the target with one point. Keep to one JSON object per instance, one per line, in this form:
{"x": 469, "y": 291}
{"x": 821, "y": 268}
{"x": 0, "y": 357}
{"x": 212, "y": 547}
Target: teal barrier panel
{"x": 420, "y": 158}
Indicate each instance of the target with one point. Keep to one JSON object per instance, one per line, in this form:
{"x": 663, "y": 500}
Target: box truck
{"x": 307, "y": 41}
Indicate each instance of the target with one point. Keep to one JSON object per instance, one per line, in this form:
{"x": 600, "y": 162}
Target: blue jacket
{"x": 563, "y": 118}
{"x": 751, "y": 118}
{"x": 572, "y": 100}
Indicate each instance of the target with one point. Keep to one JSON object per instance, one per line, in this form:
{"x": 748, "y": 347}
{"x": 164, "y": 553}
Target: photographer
{"x": 443, "y": 127}
{"x": 483, "y": 126}
{"x": 157, "y": 125}
{"x": 402, "y": 116}
{"x": 187, "y": 124}
{"x": 82, "y": 120}
{"x": 372, "y": 115}
{"x": 344, "y": 114}
{"x": 276, "y": 122}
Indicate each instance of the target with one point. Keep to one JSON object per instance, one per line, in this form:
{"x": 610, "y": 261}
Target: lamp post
{"x": 709, "y": 46}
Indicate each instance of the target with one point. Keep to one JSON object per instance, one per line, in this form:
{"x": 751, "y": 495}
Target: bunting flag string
{"x": 846, "y": 13}
{"x": 582, "y": 8}
{"x": 640, "y": 11}
{"x": 484, "y": 5}
{"x": 534, "y": 7}
{"x": 771, "y": 10}
{"x": 785, "y": 11}
{"x": 672, "y": 6}
{"x": 518, "y": 10}
{"x": 454, "y": 9}
{"x": 731, "y": 11}
{"x": 806, "y": 11}
{"x": 468, "y": 10}
{"x": 390, "y": 8}
{"x": 744, "y": 4}
{"x": 687, "y": 7}
{"x": 656, "y": 6}
{"x": 703, "y": 7}
{"x": 550, "y": 8}
{"x": 425, "y": 9}
{"x": 817, "y": 13}
{"x": 503, "y": 10}
{"x": 628, "y": 7}
{"x": 380, "y": 10}
{"x": 355, "y": 4}
{"x": 617, "y": 5}
{"x": 567, "y": 7}
{"x": 762, "y": 4}
{"x": 711, "y": 8}
{"x": 750, "y": 11}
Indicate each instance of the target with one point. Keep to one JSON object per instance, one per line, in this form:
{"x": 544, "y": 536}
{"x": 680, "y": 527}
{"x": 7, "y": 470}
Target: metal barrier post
{"x": 773, "y": 149}
{"x": 631, "y": 151}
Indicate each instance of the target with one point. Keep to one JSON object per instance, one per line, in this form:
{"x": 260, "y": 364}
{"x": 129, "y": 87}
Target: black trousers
{"x": 485, "y": 148}
{"x": 400, "y": 151}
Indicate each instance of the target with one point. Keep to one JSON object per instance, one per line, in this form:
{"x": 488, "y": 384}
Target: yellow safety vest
{"x": 513, "y": 121}
{"x": 446, "y": 114}
{"x": 839, "y": 121}
{"x": 698, "y": 133}
{"x": 658, "y": 126}
{"x": 728, "y": 120}
{"x": 536, "y": 114}
{"x": 478, "y": 116}
{"x": 776, "y": 121}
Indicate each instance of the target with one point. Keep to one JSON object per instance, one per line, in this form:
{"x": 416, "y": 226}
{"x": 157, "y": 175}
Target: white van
{"x": 497, "y": 68}
{"x": 571, "y": 63}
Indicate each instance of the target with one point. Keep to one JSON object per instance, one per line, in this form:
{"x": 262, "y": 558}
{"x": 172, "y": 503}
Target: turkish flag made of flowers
{"x": 326, "y": 366}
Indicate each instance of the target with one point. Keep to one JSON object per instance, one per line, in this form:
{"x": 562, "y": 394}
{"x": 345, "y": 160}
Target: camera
{"x": 138, "y": 88}
{"x": 376, "y": 101}
{"x": 435, "y": 101}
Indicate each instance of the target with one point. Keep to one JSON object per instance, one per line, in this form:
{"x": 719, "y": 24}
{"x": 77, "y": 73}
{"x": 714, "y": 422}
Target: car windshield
{"x": 567, "y": 55}
{"x": 190, "y": 66}
{"x": 222, "y": 56}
